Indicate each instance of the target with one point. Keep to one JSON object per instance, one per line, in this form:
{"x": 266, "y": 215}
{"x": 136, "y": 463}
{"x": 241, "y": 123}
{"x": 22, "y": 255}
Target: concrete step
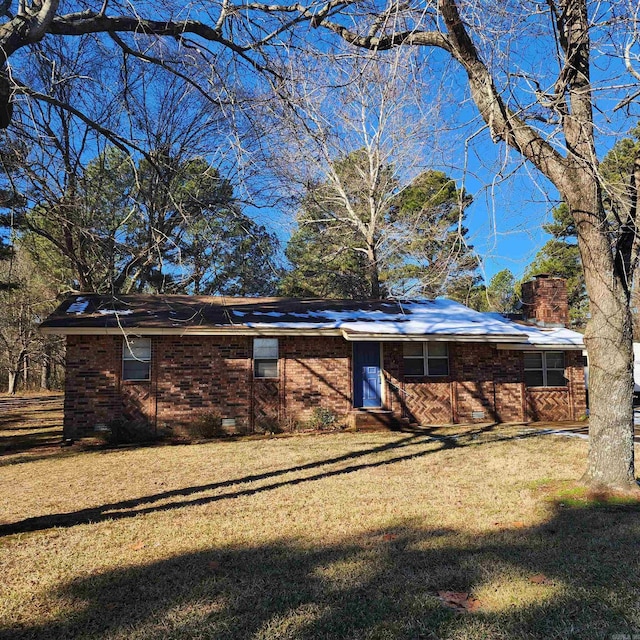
{"x": 375, "y": 420}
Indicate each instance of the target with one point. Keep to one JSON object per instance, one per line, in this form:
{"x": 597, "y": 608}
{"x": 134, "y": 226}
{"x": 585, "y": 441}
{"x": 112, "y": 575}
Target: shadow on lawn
{"x": 146, "y": 504}
{"x": 382, "y": 585}
{"x": 26, "y": 439}
{"x": 29, "y": 422}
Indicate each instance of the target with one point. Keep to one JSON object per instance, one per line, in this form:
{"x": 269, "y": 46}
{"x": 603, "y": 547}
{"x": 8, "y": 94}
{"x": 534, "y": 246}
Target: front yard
{"x": 328, "y": 536}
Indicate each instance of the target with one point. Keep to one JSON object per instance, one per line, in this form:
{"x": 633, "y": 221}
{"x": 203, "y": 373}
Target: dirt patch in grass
{"x": 333, "y": 536}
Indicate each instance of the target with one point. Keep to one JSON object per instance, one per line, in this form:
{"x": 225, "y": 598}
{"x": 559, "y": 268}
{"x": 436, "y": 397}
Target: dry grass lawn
{"x": 30, "y": 425}
{"x": 326, "y": 536}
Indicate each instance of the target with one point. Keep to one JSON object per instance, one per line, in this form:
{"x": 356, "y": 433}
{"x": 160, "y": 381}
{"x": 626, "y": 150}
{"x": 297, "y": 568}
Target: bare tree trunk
{"x": 25, "y": 372}
{"x": 609, "y": 341}
{"x": 45, "y": 370}
{"x": 13, "y": 378}
{"x": 372, "y": 272}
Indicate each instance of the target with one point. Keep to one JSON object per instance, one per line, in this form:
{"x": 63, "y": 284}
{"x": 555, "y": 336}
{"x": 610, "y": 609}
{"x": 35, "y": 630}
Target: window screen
{"x": 426, "y": 358}
{"x": 265, "y": 357}
{"x": 544, "y": 369}
{"x": 136, "y": 358}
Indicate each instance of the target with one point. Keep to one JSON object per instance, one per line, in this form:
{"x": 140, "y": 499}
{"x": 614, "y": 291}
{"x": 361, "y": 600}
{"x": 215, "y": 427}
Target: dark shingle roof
{"x": 174, "y": 311}
{"x": 353, "y": 319}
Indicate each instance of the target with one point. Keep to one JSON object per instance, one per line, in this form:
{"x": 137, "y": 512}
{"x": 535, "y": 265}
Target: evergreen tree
{"x": 165, "y": 225}
{"x": 429, "y": 254}
{"x": 560, "y": 257}
{"x": 501, "y": 292}
{"x": 360, "y": 235}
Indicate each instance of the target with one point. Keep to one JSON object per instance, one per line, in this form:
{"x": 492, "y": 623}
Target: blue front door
{"x": 366, "y": 374}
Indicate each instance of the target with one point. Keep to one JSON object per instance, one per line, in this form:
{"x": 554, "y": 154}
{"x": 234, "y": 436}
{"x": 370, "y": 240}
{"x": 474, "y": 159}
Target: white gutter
{"x": 431, "y": 337}
{"x": 275, "y": 331}
{"x": 184, "y": 331}
{"x": 541, "y": 347}
{"x": 503, "y": 342}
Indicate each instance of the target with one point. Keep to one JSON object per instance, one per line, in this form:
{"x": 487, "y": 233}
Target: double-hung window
{"x": 265, "y": 357}
{"x": 425, "y": 358}
{"x": 136, "y": 358}
{"x": 544, "y": 369}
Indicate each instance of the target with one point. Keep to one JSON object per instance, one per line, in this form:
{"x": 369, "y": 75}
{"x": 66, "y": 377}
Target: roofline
{"x": 543, "y": 347}
{"x": 274, "y": 331}
{"x": 433, "y": 337}
{"x": 184, "y": 331}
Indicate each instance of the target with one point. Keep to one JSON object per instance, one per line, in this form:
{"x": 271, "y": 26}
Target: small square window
{"x": 438, "y": 366}
{"x": 544, "y": 369}
{"x": 533, "y": 360}
{"x": 555, "y": 359}
{"x": 414, "y": 367}
{"x": 412, "y": 349}
{"x": 413, "y": 358}
{"x": 438, "y": 350}
{"x": 555, "y": 378}
{"x": 534, "y": 378}
{"x": 426, "y": 358}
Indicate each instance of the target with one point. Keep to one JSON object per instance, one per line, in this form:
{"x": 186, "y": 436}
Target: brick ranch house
{"x": 165, "y": 359}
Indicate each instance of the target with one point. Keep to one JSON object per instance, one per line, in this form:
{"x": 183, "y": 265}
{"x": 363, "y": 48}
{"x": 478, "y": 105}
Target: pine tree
{"x": 364, "y": 238}
{"x": 560, "y": 257}
{"x": 165, "y": 225}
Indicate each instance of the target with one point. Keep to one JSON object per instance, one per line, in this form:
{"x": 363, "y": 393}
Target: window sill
{"x": 549, "y": 388}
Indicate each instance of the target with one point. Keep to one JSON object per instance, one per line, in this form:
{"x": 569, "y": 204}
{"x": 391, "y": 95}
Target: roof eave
{"x": 186, "y": 331}
{"x": 280, "y": 331}
{"x": 543, "y": 347}
{"x": 351, "y": 336}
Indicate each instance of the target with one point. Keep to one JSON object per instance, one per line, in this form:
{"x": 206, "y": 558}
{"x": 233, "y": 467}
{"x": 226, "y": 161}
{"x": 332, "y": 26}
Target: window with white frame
{"x": 425, "y": 358}
{"x": 544, "y": 369}
{"x": 136, "y": 358}
{"x": 265, "y": 357}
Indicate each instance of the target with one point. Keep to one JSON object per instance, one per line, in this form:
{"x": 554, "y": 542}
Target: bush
{"x": 122, "y": 431}
{"x": 206, "y": 425}
{"x": 322, "y": 419}
{"x": 268, "y": 424}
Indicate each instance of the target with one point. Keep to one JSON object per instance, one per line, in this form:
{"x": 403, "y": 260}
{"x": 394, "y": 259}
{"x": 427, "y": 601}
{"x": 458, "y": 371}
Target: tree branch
{"x": 503, "y": 123}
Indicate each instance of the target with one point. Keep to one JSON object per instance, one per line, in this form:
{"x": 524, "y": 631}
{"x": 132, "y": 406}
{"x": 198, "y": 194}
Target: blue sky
{"x": 506, "y": 218}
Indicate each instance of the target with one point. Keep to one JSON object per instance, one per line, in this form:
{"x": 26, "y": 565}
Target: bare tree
{"x": 541, "y": 105}
{"x": 353, "y": 138}
{"x": 103, "y": 220}
{"x": 213, "y": 53}
{"x": 21, "y": 309}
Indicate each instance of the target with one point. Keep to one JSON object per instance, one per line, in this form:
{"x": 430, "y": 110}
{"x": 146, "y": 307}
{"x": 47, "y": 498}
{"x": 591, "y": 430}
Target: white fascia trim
{"x": 541, "y": 347}
{"x": 508, "y": 342}
{"x": 443, "y": 337}
{"x": 177, "y": 331}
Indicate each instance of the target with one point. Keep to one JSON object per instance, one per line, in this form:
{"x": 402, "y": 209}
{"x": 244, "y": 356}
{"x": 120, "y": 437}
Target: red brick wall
{"x": 575, "y": 370}
{"x": 554, "y": 404}
{"x": 422, "y": 400}
{"x": 193, "y": 375}
{"x": 92, "y": 383}
{"x": 483, "y": 381}
{"x": 201, "y": 374}
{"x": 473, "y": 368}
{"x": 315, "y": 372}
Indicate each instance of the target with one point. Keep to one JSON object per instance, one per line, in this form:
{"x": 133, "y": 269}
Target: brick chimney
{"x": 544, "y": 301}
